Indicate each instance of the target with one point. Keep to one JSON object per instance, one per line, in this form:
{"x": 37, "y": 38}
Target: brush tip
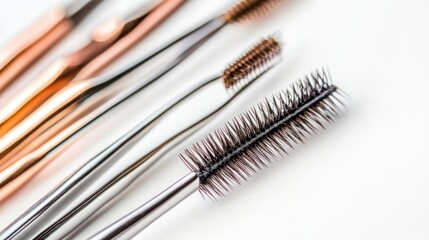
{"x": 253, "y": 63}
{"x": 254, "y": 139}
{"x": 246, "y": 10}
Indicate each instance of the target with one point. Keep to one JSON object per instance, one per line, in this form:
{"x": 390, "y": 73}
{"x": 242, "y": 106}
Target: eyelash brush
{"x": 236, "y": 77}
{"x": 78, "y": 91}
{"x": 23, "y": 50}
{"x": 241, "y": 148}
{"x": 109, "y": 41}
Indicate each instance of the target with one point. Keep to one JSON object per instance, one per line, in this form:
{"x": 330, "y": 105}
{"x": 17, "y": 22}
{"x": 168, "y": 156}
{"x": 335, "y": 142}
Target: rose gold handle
{"x": 24, "y": 103}
{"x": 86, "y": 62}
{"x": 161, "y": 12}
{"x": 30, "y": 45}
{"x": 39, "y": 137}
{"x": 53, "y": 106}
{"x": 57, "y": 76}
{"x": 17, "y": 174}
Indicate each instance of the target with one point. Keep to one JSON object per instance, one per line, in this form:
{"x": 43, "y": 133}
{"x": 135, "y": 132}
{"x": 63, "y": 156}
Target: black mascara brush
{"x": 244, "y": 146}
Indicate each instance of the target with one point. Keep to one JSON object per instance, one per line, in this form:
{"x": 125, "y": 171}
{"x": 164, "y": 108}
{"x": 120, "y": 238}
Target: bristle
{"x": 246, "y": 10}
{"x": 253, "y": 63}
{"x": 251, "y": 141}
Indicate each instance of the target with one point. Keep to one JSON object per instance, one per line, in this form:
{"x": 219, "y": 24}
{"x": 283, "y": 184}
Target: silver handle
{"x": 140, "y": 218}
{"x": 196, "y": 38}
{"x": 128, "y": 140}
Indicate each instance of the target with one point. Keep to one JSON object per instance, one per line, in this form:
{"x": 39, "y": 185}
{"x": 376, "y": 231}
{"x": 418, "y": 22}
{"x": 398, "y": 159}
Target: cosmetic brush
{"x": 241, "y": 148}
{"x": 171, "y": 54}
{"x": 235, "y": 77}
{"x": 23, "y": 50}
{"x": 109, "y": 41}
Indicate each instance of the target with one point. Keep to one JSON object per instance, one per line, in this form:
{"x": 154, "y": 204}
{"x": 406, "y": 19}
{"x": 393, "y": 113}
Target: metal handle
{"x": 58, "y": 74}
{"x": 146, "y": 22}
{"x": 140, "y": 218}
{"x": 55, "y": 105}
{"x": 111, "y": 152}
{"x": 139, "y": 163}
{"x": 194, "y": 38}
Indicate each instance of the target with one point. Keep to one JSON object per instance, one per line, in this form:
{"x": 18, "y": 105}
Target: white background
{"x": 366, "y": 177}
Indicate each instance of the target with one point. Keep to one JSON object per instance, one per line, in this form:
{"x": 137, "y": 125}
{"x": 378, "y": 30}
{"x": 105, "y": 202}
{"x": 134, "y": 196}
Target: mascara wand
{"x": 244, "y": 146}
{"x": 235, "y": 77}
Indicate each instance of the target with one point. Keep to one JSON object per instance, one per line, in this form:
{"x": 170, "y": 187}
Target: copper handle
{"x": 157, "y": 16}
{"x": 57, "y": 76}
{"x": 86, "y": 63}
{"x": 30, "y": 45}
{"x": 29, "y": 98}
{"x": 17, "y": 174}
{"x": 48, "y": 110}
{"x": 41, "y": 136}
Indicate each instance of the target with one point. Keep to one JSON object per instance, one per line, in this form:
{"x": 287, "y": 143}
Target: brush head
{"x": 254, "y": 139}
{"x": 246, "y": 10}
{"x": 253, "y": 63}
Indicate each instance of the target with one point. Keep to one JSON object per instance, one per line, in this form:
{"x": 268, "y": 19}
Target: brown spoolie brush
{"x": 242, "y": 147}
{"x": 250, "y": 10}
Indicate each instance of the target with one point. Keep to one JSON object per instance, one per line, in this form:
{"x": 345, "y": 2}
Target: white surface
{"x": 366, "y": 177}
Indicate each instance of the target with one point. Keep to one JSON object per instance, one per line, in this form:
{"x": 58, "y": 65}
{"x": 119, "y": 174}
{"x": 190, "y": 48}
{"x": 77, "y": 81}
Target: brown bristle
{"x": 253, "y": 63}
{"x": 250, "y": 10}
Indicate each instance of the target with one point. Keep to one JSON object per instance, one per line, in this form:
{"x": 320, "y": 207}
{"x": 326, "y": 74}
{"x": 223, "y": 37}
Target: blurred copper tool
{"x": 172, "y": 54}
{"x": 109, "y": 41}
{"x": 24, "y": 49}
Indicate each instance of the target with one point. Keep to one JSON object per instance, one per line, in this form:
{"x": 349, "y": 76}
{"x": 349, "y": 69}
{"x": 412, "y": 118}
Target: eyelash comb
{"x": 23, "y": 50}
{"x": 244, "y": 10}
{"x": 241, "y": 148}
{"x": 235, "y": 77}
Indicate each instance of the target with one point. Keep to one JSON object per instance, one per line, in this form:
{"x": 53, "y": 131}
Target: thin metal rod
{"x": 140, "y": 218}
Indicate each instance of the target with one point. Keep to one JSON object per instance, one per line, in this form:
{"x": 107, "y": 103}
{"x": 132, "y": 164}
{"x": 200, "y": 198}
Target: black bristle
{"x": 254, "y": 139}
